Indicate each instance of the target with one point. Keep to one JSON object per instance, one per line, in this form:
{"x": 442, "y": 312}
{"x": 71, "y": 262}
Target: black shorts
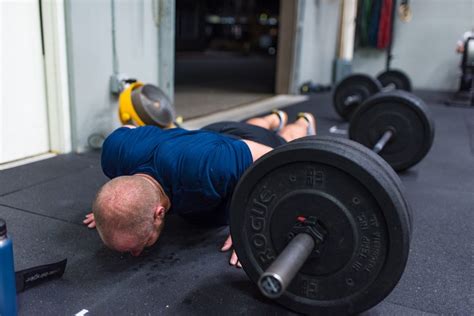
{"x": 240, "y": 130}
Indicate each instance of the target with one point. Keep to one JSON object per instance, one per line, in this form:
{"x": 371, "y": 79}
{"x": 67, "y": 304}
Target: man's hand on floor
{"x": 233, "y": 258}
{"x": 90, "y": 221}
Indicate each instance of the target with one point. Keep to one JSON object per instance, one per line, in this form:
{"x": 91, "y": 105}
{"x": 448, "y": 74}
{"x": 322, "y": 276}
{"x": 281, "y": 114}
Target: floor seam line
{"x": 39, "y": 183}
{"x": 417, "y": 309}
{"x": 38, "y": 214}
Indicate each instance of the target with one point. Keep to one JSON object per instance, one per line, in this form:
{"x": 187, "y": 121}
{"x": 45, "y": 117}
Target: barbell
{"x": 395, "y": 79}
{"x": 321, "y": 226}
{"x": 354, "y": 89}
{"x": 397, "y": 125}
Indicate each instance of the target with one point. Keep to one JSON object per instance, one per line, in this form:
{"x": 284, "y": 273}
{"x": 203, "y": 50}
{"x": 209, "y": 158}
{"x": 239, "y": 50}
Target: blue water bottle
{"x": 7, "y": 274}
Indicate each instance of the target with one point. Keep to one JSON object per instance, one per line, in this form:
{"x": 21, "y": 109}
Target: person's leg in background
{"x": 264, "y": 133}
{"x": 305, "y": 125}
{"x": 274, "y": 121}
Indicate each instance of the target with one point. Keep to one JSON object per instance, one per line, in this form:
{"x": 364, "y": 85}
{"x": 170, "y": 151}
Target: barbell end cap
{"x": 271, "y": 285}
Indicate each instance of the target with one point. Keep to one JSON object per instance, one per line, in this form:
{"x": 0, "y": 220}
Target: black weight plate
{"x": 366, "y": 252}
{"x": 359, "y": 86}
{"x": 400, "y": 111}
{"x": 388, "y": 172}
{"x": 396, "y": 79}
{"x": 153, "y": 106}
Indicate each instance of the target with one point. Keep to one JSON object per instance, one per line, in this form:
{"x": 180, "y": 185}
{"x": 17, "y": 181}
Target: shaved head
{"x": 125, "y": 206}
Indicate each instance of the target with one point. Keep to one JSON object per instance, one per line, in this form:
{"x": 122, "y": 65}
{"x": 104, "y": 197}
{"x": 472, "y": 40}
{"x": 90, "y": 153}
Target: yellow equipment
{"x": 145, "y": 104}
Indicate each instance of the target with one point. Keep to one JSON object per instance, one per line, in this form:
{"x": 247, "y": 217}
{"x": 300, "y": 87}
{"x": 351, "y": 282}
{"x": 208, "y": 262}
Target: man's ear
{"x": 159, "y": 213}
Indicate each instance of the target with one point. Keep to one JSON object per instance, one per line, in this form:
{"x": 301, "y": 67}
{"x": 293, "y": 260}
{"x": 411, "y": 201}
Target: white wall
{"x": 424, "y": 47}
{"x": 23, "y": 108}
{"x": 320, "y": 26}
{"x": 90, "y": 57}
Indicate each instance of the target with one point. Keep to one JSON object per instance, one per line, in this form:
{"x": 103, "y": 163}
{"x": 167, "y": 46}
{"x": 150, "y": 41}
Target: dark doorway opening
{"x": 225, "y": 54}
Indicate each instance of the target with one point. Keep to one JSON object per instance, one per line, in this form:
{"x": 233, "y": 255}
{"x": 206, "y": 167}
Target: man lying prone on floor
{"x": 190, "y": 173}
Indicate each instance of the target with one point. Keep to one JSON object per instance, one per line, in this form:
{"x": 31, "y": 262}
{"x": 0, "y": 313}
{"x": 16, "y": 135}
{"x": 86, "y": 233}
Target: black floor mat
{"x": 185, "y": 273}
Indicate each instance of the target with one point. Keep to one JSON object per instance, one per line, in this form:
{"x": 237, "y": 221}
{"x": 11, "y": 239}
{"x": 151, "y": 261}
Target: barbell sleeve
{"x": 352, "y": 99}
{"x": 274, "y": 281}
{"x": 389, "y": 87}
{"x": 382, "y": 141}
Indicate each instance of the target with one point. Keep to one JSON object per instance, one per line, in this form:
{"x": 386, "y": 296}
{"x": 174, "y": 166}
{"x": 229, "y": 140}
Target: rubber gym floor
{"x": 45, "y": 202}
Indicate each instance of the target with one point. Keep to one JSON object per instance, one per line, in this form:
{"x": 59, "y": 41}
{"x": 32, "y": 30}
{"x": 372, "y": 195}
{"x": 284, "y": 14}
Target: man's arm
{"x": 89, "y": 220}
{"x": 257, "y": 149}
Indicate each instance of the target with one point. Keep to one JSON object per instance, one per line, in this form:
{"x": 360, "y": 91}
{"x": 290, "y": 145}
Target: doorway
{"x": 225, "y": 54}
{"x": 23, "y": 107}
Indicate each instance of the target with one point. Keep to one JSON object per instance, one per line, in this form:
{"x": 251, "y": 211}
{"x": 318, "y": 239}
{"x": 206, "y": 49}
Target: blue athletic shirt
{"x": 198, "y": 170}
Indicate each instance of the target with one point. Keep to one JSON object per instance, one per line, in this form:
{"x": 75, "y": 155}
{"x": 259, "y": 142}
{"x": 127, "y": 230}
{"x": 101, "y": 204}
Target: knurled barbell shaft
{"x": 378, "y": 147}
{"x": 274, "y": 281}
